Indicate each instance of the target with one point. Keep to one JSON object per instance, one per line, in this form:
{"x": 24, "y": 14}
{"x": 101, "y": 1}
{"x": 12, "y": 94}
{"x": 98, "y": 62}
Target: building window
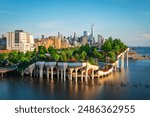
{"x": 16, "y": 37}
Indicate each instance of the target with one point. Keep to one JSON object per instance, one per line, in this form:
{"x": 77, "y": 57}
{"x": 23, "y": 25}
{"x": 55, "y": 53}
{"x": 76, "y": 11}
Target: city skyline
{"x": 124, "y": 19}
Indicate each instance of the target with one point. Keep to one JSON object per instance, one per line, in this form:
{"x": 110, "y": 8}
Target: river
{"x": 131, "y": 84}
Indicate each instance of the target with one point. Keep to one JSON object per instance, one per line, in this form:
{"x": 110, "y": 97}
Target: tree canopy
{"x": 111, "y": 49}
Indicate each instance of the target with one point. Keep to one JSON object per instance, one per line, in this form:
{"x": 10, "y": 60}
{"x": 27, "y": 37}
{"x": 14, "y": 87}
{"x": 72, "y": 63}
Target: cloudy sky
{"x": 128, "y": 20}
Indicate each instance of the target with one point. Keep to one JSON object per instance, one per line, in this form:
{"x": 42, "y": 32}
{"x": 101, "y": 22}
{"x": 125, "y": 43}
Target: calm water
{"x": 133, "y": 83}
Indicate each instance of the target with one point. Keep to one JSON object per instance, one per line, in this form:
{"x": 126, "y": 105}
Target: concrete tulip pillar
{"x": 71, "y": 70}
{"x": 117, "y": 64}
{"x": 76, "y": 75}
{"x": 31, "y": 68}
{"x": 86, "y": 73}
{"x": 92, "y": 74}
{"x": 127, "y": 58}
{"x": 52, "y": 73}
{"x": 47, "y": 72}
{"x": 122, "y": 61}
{"x": 58, "y": 73}
{"x": 61, "y": 73}
{"x": 63, "y": 66}
{"x": 50, "y": 65}
{"x": 40, "y": 65}
{"x": 82, "y": 75}
{"x": 64, "y": 74}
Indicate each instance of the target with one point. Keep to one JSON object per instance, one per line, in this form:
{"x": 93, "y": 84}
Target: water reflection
{"x": 119, "y": 85}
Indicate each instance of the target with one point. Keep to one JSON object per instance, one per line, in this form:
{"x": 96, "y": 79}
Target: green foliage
{"x": 62, "y": 56}
{"x": 110, "y": 49}
{"x": 42, "y": 50}
{"x": 41, "y": 57}
{"x": 56, "y": 57}
{"x": 113, "y": 47}
{"x": 91, "y": 61}
{"x": 3, "y": 56}
{"x": 97, "y": 54}
{"x": 76, "y": 56}
{"x": 112, "y": 56}
{"x": 107, "y": 46}
{"x": 13, "y": 57}
{"x": 83, "y": 55}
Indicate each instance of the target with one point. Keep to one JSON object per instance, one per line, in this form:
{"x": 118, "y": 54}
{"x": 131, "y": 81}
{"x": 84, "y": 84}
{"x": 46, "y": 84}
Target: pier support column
{"x": 47, "y": 72}
{"x": 86, "y": 75}
{"x": 92, "y": 74}
{"x": 71, "y": 70}
{"x": 52, "y": 73}
{"x": 82, "y": 75}
{"x": 127, "y": 58}
{"x": 41, "y": 72}
{"x": 64, "y": 74}
{"x": 61, "y": 73}
{"x": 76, "y": 75}
{"x": 31, "y": 73}
{"x": 122, "y": 61}
{"x": 57, "y": 73}
{"x": 117, "y": 63}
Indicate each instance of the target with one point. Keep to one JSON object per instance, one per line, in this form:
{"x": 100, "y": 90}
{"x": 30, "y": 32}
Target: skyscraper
{"x": 92, "y": 40}
{"x": 85, "y": 33}
{"x": 92, "y": 30}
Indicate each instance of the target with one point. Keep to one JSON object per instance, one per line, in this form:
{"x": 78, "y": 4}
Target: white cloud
{"x": 146, "y": 35}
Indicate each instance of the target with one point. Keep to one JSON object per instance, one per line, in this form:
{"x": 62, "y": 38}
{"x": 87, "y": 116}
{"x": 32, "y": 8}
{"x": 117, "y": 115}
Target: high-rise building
{"x": 59, "y": 35}
{"x": 101, "y": 41}
{"x": 42, "y": 36}
{"x": 84, "y": 40}
{"x": 19, "y": 40}
{"x": 85, "y": 33}
{"x": 91, "y": 40}
{"x": 75, "y": 37}
{"x": 3, "y": 43}
{"x": 92, "y": 30}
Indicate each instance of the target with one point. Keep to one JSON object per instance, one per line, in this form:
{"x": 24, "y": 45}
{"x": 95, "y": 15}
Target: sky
{"x": 128, "y": 20}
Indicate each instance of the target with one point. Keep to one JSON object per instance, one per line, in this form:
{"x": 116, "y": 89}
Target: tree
{"x": 83, "y": 55}
{"x": 112, "y": 56}
{"x": 3, "y": 59}
{"x": 41, "y": 57}
{"x": 42, "y": 50}
{"x": 91, "y": 61}
{"x": 13, "y": 57}
{"x": 97, "y": 54}
{"x": 107, "y": 46}
{"x": 76, "y": 56}
{"x": 63, "y": 56}
{"x": 56, "y": 57}
{"x": 28, "y": 55}
{"x": 3, "y": 56}
{"x": 21, "y": 57}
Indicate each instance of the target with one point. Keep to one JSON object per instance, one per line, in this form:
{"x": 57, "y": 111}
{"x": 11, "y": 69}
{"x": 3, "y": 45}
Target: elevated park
{"x": 74, "y": 70}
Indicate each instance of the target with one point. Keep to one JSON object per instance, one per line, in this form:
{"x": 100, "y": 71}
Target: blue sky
{"x": 128, "y": 20}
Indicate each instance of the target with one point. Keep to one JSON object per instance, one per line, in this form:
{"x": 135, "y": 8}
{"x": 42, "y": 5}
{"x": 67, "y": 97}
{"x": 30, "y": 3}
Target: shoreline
{"x": 136, "y": 56}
